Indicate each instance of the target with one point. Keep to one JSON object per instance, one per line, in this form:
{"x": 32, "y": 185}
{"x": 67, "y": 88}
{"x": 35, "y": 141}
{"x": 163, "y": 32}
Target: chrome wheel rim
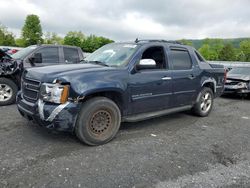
{"x": 5, "y": 92}
{"x": 206, "y": 102}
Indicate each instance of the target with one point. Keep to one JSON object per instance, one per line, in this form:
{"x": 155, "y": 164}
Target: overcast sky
{"x": 128, "y": 19}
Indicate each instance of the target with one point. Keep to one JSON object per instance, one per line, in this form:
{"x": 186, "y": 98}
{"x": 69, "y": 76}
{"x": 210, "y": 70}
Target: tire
{"x": 98, "y": 121}
{"x": 8, "y": 91}
{"x": 204, "y": 102}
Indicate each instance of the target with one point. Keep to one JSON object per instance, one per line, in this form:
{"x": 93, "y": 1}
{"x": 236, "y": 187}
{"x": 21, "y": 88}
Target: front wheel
{"x": 98, "y": 121}
{"x": 8, "y": 91}
{"x": 204, "y": 102}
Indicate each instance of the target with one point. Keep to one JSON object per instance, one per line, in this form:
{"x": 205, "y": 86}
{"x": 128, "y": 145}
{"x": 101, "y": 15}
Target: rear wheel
{"x": 204, "y": 102}
{"x": 8, "y": 91}
{"x": 98, "y": 121}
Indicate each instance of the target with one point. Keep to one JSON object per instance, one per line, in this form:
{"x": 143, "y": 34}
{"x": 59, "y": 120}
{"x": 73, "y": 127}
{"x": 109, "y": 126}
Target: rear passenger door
{"x": 185, "y": 80}
{"x": 71, "y": 55}
{"x": 50, "y": 56}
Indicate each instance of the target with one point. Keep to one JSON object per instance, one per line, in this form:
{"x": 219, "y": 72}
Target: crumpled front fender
{"x": 10, "y": 67}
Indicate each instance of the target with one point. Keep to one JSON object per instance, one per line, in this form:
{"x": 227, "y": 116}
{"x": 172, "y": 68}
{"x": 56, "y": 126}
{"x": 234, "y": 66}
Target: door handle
{"x": 166, "y": 78}
{"x": 191, "y": 76}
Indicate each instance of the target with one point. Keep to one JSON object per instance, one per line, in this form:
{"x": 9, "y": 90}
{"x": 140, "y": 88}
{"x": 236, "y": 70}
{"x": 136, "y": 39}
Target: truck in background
{"x": 12, "y": 66}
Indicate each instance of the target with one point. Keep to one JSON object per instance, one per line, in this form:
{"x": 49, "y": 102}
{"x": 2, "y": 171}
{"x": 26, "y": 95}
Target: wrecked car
{"x": 120, "y": 82}
{"x": 238, "y": 81}
{"x": 8, "y": 78}
{"x": 11, "y": 67}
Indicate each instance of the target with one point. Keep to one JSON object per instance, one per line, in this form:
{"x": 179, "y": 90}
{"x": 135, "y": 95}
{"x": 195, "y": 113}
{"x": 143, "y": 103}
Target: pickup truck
{"x": 11, "y": 67}
{"x": 120, "y": 82}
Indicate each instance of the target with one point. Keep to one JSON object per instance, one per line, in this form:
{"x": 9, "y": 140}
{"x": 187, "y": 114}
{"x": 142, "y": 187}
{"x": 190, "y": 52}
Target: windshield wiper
{"x": 98, "y": 63}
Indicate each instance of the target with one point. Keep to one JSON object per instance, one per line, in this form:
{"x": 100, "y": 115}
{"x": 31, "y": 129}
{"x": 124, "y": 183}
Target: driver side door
{"x": 151, "y": 88}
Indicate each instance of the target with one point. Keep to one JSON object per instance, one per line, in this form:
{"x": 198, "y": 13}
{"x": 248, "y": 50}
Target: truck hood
{"x": 56, "y": 71}
{"x": 238, "y": 77}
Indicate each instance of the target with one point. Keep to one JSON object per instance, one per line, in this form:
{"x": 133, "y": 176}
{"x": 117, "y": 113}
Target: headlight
{"x": 55, "y": 93}
{"x": 242, "y": 84}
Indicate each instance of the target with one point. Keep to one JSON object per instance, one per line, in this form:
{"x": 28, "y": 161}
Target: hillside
{"x": 197, "y": 43}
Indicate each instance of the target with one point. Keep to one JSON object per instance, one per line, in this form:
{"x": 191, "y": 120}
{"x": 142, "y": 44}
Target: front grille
{"x": 229, "y": 82}
{"x": 30, "y": 89}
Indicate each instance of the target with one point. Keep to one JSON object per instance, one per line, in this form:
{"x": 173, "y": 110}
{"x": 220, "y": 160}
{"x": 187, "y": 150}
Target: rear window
{"x": 71, "y": 55}
{"x": 181, "y": 59}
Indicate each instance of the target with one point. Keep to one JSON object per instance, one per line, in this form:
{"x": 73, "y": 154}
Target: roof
{"x": 157, "y": 41}
{"x": 58, "y": 45}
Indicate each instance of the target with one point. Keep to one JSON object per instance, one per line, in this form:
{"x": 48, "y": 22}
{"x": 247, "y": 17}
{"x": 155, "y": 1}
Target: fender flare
{"x": 208, "y": 80}
{"x": 211, "y": 81}
{"x": 94, "y": 91}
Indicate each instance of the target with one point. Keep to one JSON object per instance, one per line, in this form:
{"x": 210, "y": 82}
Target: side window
{"x": 181, "y": 59}
{"x": 71, "y": 55}
{"x": 157, "y": 54}
{"x": 49, "y": 54}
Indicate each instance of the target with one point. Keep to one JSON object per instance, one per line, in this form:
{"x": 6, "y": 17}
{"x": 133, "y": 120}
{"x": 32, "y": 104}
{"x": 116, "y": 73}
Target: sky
{"x": 123, "y": 20}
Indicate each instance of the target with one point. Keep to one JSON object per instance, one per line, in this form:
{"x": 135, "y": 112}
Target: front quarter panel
{"x": 93, "y": 82}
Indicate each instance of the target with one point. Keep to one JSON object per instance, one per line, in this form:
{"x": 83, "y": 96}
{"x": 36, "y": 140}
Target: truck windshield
{"x": 241, "y": 70}
{"x": 23, "y": 53}
{"x": 115, "y": 54}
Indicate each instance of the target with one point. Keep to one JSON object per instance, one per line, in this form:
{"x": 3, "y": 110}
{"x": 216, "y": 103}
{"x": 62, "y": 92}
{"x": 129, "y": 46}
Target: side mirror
{"x": 36, "y": 58}
{"x": 146, "y": 64}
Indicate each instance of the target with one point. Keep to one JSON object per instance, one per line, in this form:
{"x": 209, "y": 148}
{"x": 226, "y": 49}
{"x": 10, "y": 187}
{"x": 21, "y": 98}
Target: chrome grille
{"x": 231, "y": 82}
{"x": 30, "y": 89}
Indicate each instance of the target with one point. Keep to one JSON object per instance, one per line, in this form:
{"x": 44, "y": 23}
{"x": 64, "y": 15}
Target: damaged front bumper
{"x": 236, "y": 89}
{"x": 52, "y": 116}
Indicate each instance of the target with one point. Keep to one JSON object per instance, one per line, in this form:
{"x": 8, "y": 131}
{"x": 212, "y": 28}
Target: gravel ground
{"x": 178, "y": 150}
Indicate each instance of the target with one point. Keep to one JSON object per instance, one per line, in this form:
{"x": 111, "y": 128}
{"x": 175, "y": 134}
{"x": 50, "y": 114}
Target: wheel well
{"x": 11, "y": 78}
{"x": 210, "y": 85}
{"x": 112, "y": 95}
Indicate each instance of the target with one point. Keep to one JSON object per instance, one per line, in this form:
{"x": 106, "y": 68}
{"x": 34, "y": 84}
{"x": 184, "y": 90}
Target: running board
{"x": 149, "y": 115}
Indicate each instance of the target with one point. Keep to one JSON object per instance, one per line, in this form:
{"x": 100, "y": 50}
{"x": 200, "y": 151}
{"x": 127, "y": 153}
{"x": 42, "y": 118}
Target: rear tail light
{"x": 225, "y": 75}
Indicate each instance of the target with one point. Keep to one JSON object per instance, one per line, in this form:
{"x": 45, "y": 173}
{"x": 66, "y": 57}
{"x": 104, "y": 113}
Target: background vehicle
{"x": 120, "y": 82}
{"x": 238, "y": 81}
{"x": 11, "y": 67}
{"x": 3, "y": 55}
{"x": 10, "y": 50}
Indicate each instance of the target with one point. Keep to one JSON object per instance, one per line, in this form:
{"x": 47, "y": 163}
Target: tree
{"x": 227, "y": 53}
{"x": 186, "y": 42}
{"x": 212, "y": 48}
{"x": 6, "y": 38}
{"x": 240, "y": 56}
{"x": 92, "y": 43}
{"x": 52, "y": 38}
{"x": 20, "y": 42}
{"x": 74, "y": 38}
{"x": 208, "y": 53}
{"x": 245, "y": 48}
{"x": 32, "y": 30}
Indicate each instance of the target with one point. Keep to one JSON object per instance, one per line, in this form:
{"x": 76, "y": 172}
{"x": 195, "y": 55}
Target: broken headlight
{"x": 242, "y": 85}
{"x": 55, "y": 93}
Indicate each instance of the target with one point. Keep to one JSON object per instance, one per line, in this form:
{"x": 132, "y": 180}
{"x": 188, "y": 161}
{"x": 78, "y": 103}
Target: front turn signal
{"x": 64, "y": 94}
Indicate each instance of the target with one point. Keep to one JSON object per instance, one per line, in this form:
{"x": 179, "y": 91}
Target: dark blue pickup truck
{"x": 120, "y": 82}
